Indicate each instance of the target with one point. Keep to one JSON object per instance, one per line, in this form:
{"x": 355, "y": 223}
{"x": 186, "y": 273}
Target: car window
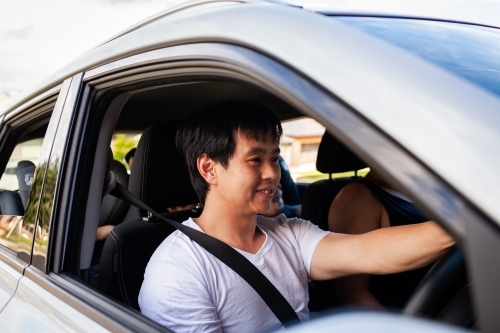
{"x": 299, "y": 148}
{"x": 122, "y": 145}
{"x": 15, "y": 184}
{"x": 28, "y": 151}
{"x": 469, "y": 51}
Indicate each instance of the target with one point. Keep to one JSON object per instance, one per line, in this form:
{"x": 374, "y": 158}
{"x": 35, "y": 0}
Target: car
{"x": 417, "y": 98}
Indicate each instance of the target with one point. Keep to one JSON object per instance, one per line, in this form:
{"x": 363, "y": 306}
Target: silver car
{"x": 416, "y": 98}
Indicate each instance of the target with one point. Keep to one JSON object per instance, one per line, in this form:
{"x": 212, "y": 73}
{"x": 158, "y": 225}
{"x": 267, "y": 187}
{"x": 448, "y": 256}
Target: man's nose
{"x": 271, "y": 171}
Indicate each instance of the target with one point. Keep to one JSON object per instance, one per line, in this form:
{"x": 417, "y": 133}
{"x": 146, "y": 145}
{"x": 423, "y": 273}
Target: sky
{"x": 39, "y": 36}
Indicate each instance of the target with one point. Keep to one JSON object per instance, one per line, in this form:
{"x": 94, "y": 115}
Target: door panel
{"x": 35, "y": 309}
{"x": 8, "y": 283}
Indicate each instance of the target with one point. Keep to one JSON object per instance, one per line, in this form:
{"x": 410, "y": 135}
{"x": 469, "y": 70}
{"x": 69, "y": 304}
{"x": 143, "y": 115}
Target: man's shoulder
{"x": 177, "y": 246}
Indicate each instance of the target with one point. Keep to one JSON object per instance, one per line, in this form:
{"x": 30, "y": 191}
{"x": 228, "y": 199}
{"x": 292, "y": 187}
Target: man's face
{"x": 249, "y": 182}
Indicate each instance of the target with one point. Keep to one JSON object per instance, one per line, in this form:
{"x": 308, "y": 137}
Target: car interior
{"x": 159, "y": 177}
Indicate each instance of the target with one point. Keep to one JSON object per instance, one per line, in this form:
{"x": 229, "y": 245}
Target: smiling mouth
{"x": 271, "y": 191}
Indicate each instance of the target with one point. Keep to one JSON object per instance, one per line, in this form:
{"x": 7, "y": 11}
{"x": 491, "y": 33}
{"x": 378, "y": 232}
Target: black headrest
{"x": 118, "y": 167}
{"x": 160, "y": 176}
{"x": 25, "y": 171}
{"x": 334, "y": 157}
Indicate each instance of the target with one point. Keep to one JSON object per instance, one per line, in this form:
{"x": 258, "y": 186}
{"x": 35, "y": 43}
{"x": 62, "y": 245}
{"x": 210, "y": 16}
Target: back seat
{"x": 160, "y": 178}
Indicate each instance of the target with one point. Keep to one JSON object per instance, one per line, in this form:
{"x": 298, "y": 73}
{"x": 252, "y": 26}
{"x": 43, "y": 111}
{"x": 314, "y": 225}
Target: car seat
{"x": 11, "y": 204}
{"x": 113, "y": 210}
{"x": 14, "y": 203}
{"x": 333, "y": 157}
{"x": 25, "y": 171}
{"x": 160, "y": 178}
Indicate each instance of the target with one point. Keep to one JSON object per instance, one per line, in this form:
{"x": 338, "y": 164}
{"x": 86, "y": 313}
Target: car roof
{"x": 457, "y": 128}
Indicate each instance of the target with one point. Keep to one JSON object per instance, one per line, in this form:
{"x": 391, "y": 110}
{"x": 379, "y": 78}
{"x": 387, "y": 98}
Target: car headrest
{"x": 25, "y": 171}
{"x": 118, "y": 169}
{"x": 334, "y": 157}
{"x": 160, "y": 176}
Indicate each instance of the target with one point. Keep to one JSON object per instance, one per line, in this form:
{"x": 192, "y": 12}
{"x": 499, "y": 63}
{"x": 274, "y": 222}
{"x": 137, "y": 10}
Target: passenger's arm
{"x": 383, "y": 251}
{"x": 103, "y": 232}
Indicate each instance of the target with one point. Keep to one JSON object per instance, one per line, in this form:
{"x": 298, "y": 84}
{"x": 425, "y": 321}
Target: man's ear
{"x": 206, "y": 167}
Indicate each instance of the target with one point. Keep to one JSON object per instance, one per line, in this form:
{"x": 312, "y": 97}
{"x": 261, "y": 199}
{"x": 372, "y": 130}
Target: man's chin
{"x": 264, "y": 210}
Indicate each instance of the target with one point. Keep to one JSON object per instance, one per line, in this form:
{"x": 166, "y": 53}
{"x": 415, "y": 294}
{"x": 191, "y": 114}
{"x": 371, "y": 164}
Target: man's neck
{"x": 233, "y": 228}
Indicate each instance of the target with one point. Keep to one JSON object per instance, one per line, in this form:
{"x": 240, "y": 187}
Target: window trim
{"x": 13, "y": 124}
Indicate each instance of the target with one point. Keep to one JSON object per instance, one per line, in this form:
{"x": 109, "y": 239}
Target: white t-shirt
{"x": 186, "y": 289}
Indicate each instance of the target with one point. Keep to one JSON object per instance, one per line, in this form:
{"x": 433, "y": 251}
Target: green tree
{"x": 121, "y": 145}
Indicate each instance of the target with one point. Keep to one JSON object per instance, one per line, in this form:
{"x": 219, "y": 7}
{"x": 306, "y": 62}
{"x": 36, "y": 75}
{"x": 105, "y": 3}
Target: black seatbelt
{"x": 229, "y": 256}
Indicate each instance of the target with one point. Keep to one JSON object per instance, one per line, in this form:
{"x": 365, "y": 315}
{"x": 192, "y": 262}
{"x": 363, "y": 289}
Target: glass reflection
{"x": 43, "y": 206}
{"x": 11, "y": 230}
{"x": 469, "y": 51}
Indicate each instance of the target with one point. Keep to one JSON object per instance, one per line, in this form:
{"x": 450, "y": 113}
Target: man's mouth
{"x": 269, "y": 191}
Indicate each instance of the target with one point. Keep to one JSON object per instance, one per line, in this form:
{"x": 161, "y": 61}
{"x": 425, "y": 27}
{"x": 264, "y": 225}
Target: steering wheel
{"x": 444, "y": 293}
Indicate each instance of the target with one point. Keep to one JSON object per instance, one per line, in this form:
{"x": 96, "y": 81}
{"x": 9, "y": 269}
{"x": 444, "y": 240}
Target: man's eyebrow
{"x": 259, "y": 150}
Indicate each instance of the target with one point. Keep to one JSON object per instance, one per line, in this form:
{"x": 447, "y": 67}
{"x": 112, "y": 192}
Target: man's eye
{"x": 274, "y": 159}
{"x": 256, "y": 159}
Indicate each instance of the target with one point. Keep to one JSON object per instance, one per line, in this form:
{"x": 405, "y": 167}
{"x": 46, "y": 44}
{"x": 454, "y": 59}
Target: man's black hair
{"x": 213, "y": 131}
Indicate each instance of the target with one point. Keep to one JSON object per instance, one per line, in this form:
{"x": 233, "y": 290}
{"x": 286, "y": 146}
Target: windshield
{"x": 469, "y": 51}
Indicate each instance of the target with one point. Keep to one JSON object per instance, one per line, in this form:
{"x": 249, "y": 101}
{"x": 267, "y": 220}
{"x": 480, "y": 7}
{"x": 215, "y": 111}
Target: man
{"x": 232, "y": 151}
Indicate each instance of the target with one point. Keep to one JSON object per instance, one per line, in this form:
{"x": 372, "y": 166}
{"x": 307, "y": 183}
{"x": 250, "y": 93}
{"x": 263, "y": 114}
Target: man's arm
{"x": 383, "y": 251}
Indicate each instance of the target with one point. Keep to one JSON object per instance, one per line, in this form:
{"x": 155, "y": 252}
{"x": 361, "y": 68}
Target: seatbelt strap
{"x": 229, "y": 256}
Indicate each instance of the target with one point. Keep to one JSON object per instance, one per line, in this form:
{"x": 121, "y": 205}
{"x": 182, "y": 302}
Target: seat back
{"x": 113, "y": 210}
{"x": 333, "y": 157}
{"x": 159, "y": 178}
{"x": 14, "y": 203}
{"x": 11, "y": 204}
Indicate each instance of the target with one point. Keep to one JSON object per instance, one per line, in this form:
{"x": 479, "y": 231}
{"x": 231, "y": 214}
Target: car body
{"x": 430, "y": 132}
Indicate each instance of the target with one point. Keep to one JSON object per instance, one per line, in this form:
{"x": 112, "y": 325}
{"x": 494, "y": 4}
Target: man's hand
{"x": 383, "y": 251}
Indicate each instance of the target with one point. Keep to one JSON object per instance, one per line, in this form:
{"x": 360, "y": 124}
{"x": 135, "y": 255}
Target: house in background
{"x": 299, "y": 148}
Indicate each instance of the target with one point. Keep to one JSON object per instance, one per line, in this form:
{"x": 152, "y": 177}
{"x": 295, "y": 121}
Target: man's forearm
{"x": 383, "y": 251}
{"x": 404, "y": 248}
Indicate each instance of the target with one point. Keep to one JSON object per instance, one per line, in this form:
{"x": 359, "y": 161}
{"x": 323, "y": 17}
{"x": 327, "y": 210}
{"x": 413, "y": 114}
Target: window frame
{"x": 12, "y": 127}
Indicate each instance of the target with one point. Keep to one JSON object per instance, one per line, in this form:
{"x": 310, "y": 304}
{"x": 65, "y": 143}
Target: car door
{"x": 104, "y": 95}
{"x": 21, "y": 135}
{"x": 32, "y": 305}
